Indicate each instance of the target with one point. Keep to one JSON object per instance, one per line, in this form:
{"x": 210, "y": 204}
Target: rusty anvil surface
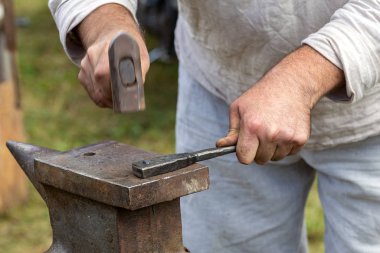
{"x": 96, "y": 204}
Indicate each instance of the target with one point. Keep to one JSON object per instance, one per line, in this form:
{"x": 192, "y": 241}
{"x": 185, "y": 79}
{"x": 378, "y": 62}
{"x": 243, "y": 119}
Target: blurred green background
{"x": 59, "y": 115}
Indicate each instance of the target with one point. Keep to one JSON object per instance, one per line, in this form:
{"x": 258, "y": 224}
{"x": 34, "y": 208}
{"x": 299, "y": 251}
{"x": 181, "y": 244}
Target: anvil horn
{"x": 25, "y": 155}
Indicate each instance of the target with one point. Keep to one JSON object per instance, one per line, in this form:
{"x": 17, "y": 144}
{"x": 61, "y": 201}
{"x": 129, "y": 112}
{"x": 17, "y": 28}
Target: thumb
{"x": 233, "y": 131}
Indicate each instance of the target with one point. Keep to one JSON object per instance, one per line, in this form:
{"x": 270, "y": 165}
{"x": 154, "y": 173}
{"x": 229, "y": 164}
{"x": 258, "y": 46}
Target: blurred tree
{"x": 12, "y": 181}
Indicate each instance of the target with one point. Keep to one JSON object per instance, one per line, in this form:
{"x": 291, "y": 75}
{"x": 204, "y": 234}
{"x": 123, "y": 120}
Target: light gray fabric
{"x": 227, "y": 46}
{"x": 260, "y": 208}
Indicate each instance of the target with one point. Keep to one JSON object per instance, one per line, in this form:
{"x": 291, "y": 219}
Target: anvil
{"x": 96, "y": 204}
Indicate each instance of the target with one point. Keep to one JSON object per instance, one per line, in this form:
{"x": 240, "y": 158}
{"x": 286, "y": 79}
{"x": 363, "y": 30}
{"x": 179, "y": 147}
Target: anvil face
{"x": 103, "y": 172}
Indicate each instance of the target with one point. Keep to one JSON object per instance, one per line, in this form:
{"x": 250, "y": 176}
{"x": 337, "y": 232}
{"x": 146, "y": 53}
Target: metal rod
{"x": 168, "y": 163}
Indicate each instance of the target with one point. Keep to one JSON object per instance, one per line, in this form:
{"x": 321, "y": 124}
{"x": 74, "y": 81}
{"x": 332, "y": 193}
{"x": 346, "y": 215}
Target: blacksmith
{"x": 294, "y": 84}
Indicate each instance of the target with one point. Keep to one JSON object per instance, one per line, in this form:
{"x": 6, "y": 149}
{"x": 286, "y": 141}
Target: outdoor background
{"x": 59, "y": 115}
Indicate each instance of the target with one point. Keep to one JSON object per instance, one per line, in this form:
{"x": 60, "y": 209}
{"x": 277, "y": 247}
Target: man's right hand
{"x": 271, "y": 120}
{"x": 96, "y": 32}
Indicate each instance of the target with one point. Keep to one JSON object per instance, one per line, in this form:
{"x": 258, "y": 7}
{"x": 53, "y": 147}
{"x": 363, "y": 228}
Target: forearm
{"x": 307, "y": 73}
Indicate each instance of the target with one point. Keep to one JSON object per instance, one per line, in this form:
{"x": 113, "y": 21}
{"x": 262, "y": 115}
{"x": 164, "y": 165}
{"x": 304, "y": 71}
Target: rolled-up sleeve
{"x": 68, "y": 14}
{"x": 351, "y": 41}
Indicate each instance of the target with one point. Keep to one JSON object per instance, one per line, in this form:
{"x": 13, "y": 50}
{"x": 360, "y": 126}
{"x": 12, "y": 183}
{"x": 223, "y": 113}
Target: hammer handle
{"x": 213, "y": 152}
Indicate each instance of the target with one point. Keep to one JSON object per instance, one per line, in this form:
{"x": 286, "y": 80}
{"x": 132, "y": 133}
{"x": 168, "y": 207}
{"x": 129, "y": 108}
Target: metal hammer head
{"x": 126, "y": 77}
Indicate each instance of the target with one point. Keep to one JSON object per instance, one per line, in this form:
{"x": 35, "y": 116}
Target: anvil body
{"x": 96, "y": 204}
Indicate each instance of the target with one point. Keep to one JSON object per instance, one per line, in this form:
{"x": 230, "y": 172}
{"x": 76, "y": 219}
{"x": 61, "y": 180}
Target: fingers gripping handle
{"x": 126, "y": 76}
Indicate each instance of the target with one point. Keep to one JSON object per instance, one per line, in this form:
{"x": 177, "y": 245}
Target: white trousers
{"x": 261, "y": 208}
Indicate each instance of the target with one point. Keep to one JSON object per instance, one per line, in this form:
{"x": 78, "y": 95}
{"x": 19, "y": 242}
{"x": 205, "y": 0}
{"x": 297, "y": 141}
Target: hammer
{"x": 126, "y": 78}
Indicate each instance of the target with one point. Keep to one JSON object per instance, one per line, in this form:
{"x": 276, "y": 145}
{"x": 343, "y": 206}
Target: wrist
{"x": 308, "y": 74}
{"x": 100, "y": 27}
{"x": 104, "y": 22}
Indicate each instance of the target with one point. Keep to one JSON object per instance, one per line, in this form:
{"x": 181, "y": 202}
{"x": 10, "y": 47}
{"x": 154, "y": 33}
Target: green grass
{"x": 59, "y": 115}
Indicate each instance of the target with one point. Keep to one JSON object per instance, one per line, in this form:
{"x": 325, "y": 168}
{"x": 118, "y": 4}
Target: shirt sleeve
{"x": 351, "y": 41}
{"x": 68, "y": 14}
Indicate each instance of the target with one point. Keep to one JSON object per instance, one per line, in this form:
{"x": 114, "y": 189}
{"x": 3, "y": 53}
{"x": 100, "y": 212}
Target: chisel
{"x": 167, "y": 163}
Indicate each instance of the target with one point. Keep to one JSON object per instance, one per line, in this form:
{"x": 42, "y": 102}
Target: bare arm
{"x": 272, "y": 119}
{"x": 96, "y": 32}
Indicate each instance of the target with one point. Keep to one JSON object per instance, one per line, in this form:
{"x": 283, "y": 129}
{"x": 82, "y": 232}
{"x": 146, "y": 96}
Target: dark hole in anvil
{"x": 89, "y": 154}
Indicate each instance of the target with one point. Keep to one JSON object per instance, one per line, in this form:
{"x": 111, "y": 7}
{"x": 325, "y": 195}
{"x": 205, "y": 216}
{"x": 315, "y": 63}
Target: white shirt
{"x": 228, "y": 45}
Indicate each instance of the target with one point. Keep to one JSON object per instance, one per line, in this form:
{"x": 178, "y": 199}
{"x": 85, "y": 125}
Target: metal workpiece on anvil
{"x": 96, "y": 204}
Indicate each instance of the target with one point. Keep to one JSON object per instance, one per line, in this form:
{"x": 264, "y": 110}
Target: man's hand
{"x": 272, "y": 119}
{"x": 96, "y": 32}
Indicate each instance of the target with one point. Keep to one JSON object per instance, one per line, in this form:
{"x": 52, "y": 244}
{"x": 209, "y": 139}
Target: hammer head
{"x": 126, "y": 77}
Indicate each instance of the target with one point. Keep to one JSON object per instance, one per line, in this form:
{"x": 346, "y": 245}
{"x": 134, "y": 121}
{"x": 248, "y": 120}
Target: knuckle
{"x": 91, "y": 51}
{"x": 253, "y": 126}
{"x": 301, "y": 139}
{"x": 82, "y": 63}
{"x": 287, "y": 136}
{"x": 85, "y": 82}
{"x": 283, "y": 136}
{"x": 274, "y": 134}
{"x": 100, "y": 75}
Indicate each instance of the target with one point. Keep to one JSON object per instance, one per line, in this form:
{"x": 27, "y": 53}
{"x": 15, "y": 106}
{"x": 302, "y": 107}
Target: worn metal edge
{"x": 45, "y": 171}
{"x": 191, "y": 181}
{"x": 132, "y": 198}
